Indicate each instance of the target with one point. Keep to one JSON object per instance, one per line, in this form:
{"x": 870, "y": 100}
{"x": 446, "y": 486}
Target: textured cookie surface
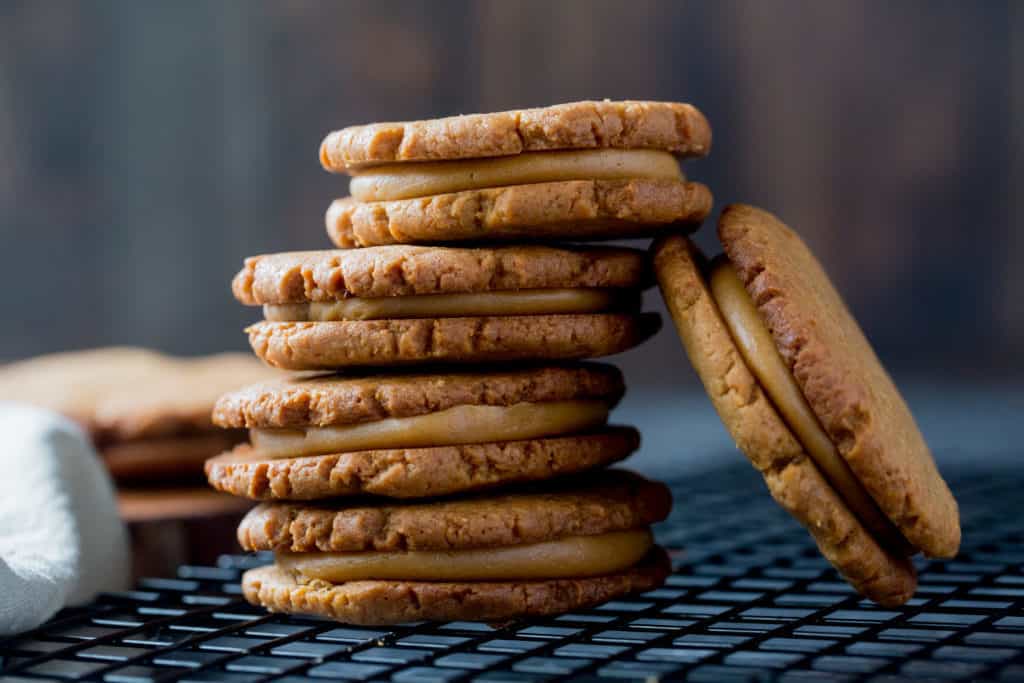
{"x": 760, "y": 433}
{"x": 411, "y": 341}
{"x": 394, "y": 602}
{"x": 125, "y": 393}
{"x": 326, "y": 400}
{"x": 586, "y": 504}
{"x": 838, "y": 372}
{"x": 672, "y": 126}
{"x": 575, "y": 209}
{"x": 297, "y": 277}
{"x": 415, "y": 472}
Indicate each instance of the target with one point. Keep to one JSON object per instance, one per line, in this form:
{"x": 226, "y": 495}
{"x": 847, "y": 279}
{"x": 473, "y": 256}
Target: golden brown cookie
{"x": 575, "y": 209}
{"x": 122, "y": 394}
{"x": 490, "y": 339}
{"x": 416, "y": 472}
{"x": 401, "y": 270}
{"x": 760, "y": 432}
{"x": 393, "y": 602}
{"x": 593, "y": 503}
{"x": 671, "y": 126}
{"x": 327, "y": 400}
{"x": 841, "y": 377}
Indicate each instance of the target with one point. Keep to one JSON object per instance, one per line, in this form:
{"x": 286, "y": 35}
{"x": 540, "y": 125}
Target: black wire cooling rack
{"x": 750, "y": 599}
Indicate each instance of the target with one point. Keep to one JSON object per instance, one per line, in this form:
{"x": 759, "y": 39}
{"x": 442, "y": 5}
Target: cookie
{"x": 594, "y": 503}
{"x": 572, "y": 209}
{"x": 378, "y": 602}
{"x": 415, "y": 472}
{"x": 674, "y": 127}
{"x": 123, "y": 394}
{"x": 172, "y": 457}
{"x": 402, "y": 271}
{"x": 322, "y": 401}
{"x": 758, "y": 422}
{"x": 484, "y": 339}
{"x": 840, "y": 376}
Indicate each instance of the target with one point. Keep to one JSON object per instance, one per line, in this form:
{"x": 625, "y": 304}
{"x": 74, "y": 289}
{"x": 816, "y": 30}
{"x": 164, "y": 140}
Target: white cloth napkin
{"x": 61, "y": 539}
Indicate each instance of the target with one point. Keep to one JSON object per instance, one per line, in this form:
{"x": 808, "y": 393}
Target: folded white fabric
{"x": 61, "y": 540}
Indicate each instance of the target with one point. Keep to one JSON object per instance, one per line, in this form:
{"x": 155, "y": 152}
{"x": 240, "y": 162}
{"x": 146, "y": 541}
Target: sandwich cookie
{"x": 579, "y": 170}
{"x": 805, "y": 398}
{"x": 404, "y": 305}
{"x": 527, "y": 552}
{"x": 418, "y": 434}
{"x": 147, "y": 413}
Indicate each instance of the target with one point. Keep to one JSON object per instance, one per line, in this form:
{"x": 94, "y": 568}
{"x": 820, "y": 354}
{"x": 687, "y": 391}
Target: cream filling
{"x": 406, "y": 181}
{"x": 762, "y": 357}
{"x": 572, "y": 557}
{"x": 527, "y": 302}
{"x": 459, "y": 425}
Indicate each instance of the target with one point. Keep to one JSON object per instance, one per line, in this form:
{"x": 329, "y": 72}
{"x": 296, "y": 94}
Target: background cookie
{"x": 124, "y": 393}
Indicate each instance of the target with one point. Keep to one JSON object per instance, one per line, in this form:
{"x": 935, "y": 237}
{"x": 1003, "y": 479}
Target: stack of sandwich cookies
{"x": 585, "y": 170}
{"x": 403, "y": 304}
{"x": 805, "y": 398}
{"x": 460, "y": 488}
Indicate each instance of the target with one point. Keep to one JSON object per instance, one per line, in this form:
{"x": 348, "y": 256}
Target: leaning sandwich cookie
{"x": 583, "y": 170}
{"x": 523, "y": 552}
{"x": 805, "y": 398}
{"x": 409, "y": 305}
{"x": 416, "y": 435}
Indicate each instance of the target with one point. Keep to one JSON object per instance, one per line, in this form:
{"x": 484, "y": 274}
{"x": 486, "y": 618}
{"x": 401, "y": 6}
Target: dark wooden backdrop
{"x": 147, "y": 147}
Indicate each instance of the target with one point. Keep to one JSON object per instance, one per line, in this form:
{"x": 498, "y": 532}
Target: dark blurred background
{"x": 149, "y": 146}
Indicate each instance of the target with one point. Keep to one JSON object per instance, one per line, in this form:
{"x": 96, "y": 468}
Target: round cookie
{"x": 484, "y": 339}
{"x": 671, "y": 126}
{"x": 327, "y": 400}
{"x": 153, "y": 459}
{"x": 122, "y": 394}
{"x": 147, "y": 413}
{"x": 760, "y": 433}
{"x": 841, "y": 378}
{"x": 594, "y": 503}
{"x": 393, "y": 602}
{"x": 403, "y": 270}
{"x": 415, "y": 472}
{"x": 574, "y": 209}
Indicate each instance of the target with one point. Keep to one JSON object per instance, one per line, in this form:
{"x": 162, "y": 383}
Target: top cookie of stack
{"x": 584, "y": 170}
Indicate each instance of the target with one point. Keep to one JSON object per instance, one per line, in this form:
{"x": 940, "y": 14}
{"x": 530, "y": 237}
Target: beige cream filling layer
{"x": 572, "y": 557}
{"x": 458, "y": 425}
{"x": 527, "y": 302}
{"x": 762, "y": 357}
{"x": 407, "y": 181}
